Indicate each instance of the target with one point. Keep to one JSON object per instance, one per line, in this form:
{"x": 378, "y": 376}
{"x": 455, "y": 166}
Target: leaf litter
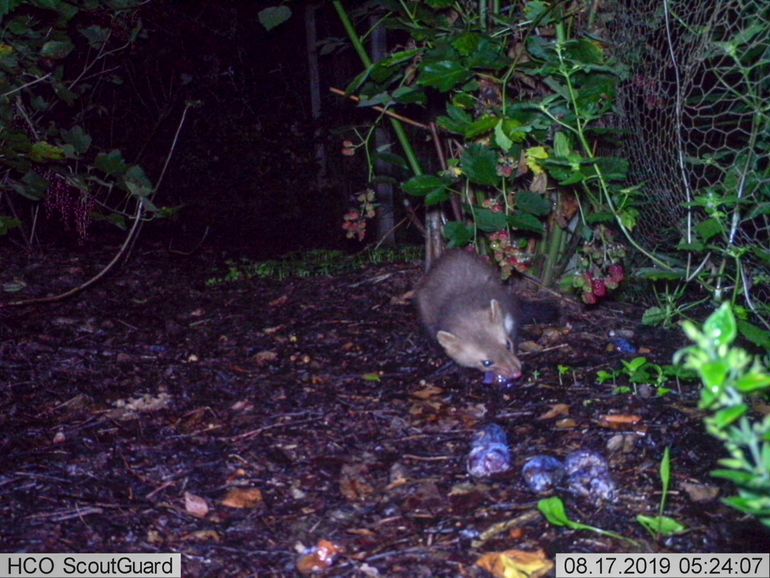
{"x": 307, "y": 425}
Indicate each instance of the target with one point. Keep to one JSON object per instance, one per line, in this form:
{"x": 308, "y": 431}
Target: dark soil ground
{"x": 241, "y": 423}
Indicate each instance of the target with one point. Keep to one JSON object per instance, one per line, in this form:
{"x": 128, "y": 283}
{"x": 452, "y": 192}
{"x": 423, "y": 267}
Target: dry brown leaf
{"x": 530, "y": 347}
{"x": 516, "y": 564}
{"x": 619, "y": 421}
{"x": 202, "y": 536}
{"x": 700, "y": 493}
{"x": 352, "y": 483}
{"x": 243, "y": 498}
{"x": 361, "y": 532}
{"x": 238, "y": 474}
{"x": 557, "y": 410}
{"x": 282, "y": 300}
{"x": 195, "y": 505}
{"x": 265, "y": 357}
{"x": 318, "y": 558}
{"x": 427, "y": 392}
{"x": 403, "y": 299}
{"x": 566, "y": 423}
{"x": 539, "y": 183}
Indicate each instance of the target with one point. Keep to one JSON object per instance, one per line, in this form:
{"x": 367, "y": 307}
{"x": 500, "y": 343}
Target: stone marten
{"x": 466, "y": 308}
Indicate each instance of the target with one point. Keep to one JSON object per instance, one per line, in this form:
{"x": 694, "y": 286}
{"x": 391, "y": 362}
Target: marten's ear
{"x": 495, "y": 312}
{"x": 448, "y": 341}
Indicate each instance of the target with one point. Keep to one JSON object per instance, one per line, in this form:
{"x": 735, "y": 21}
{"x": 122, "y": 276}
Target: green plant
{"x": 54, "y": 56}
{"x": 641, "y": 371}
{"x": 312, "y": 264}
{"x": 661, "y": 525}
{"x": 525, "y": 97}
{"x": 730, "y": 375}
{"x": 555, "y": 512}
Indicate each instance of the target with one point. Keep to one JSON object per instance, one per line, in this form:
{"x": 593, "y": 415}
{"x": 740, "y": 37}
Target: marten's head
{"x": 481, "y": 339}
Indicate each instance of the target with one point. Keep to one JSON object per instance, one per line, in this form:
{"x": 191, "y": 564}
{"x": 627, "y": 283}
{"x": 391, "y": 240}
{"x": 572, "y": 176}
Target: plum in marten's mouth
{"x": 490, "y": 377}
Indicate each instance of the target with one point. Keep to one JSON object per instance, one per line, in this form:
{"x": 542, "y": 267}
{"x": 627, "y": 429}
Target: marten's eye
{"x": 509, "y": 345}
{"x": 487, "y": 363}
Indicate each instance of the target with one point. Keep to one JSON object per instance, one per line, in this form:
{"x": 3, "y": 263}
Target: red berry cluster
{"x": 595, "y": 286}
{"x": 599, "y": 271}
{"x": 73, "y": 206}
{"x": 507, "y": 255}
{"x": 354, "y": 221}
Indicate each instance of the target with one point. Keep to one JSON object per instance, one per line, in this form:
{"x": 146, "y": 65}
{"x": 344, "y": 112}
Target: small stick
{"x": 504, "y": 526}
{"x": 385, "y": 111}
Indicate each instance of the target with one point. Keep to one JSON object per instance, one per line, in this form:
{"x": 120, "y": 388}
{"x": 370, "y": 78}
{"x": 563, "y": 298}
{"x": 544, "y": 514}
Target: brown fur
{"x": 464, "y": 306}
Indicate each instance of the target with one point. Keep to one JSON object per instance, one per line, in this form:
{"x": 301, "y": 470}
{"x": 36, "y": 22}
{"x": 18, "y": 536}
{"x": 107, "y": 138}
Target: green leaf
{"x": 562, "y": 147}
{"x": 654, "y": 274}
{"x": 533, "y": 203}
{"x": 7, "y": 224}
{"x": 392, "y": 159}
{"x": 661, "y": 525}
{"x": 708, "y": 229}
{"x": 8, "y": 6}
{"x": 439, "y": 4}
{"x": 480, "y": 127}
{"x": 635, "y": 364}
{"x": 42, "y": 152}
{"x": 714, "y": 373}
{"x": 488, "y": 55}
{"x": 541, "y": 49}
{"x": 754, "y": 381}
{"x": 479, "y": 163}
{"x": 96, "y": 35}
{"x": 756, "y": 335}
{"x": 554, "y": 511}
{"x": 694, "y": 247}
{"x": 443, "y": 75}
{"x": 422, "y": 185}
{"x": 410, "y": 95}
{"x": 137, "y": 182}
{"x": 501, "y": 139}
{"x": 111, "y": 163}
{"x": 78, "y": 138}
{"x": 720, "y": 327}
{"x": 489, "y": 221}
{"x": 56, "y": 49}
{"x": 32, "y": 186}
{"x": 600, "y": 217}
{"x": 458, "y": 233}
{"x": 525, "y": 222}
{"x": 536, "y": 11}
{"x": 273, "y": 16}
{"x": 612, "y": 168}
{"x": 737, "y": 477}
{"x": 436, "y": 197}
{"x": 466, "y": 44}
{"x": 728, "y": 416}
{"x": 356, "y": 83}
{"x": 654, "y": 316}
{"x": 584, "y": 51}
{"x": 398, "y": 58}
{"x": 665, "y": 473}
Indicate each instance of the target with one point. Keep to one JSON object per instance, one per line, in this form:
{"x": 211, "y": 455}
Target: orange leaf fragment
{"x": 318, "y": 558}
{"x": 427, "y": 392}
{"x": 278, "y": 301}
{"x": 619, "y": 421}
{"x": 516, "y": 564}
{"x": 557, "y": 410}
{"x": 243, "y": 498}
